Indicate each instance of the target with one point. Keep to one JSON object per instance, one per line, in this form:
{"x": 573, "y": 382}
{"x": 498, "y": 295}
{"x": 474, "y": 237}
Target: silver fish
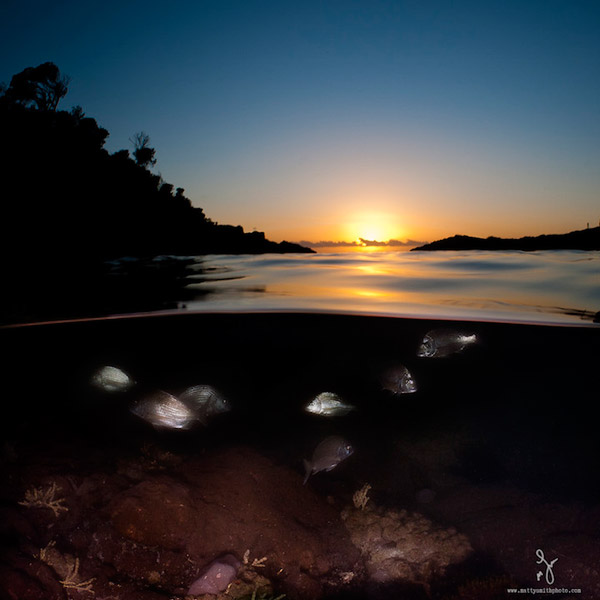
{"x": 327, "y": 455}
{"x": 443, "y": 342}
{"x": 328, "y": 404}
{"x": 112, "y": 379}
{"x": 164, "y": 411}
{"x": 205, "y": 402}
{"x": 398, "y": 380}
{"x": 216, "y": 577}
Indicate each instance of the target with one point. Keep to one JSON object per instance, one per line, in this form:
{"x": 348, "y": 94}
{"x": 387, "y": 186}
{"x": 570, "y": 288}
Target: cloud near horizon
{"x": 362, "y": 243}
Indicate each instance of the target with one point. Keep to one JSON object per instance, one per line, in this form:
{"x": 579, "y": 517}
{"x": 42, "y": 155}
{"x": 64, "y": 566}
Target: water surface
{"x": 550, "y": 286}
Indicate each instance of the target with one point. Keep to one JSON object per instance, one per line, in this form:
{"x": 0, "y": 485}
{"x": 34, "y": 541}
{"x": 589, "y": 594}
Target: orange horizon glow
{"x": 406, "y": 218}
{"x": 389, "y": 235}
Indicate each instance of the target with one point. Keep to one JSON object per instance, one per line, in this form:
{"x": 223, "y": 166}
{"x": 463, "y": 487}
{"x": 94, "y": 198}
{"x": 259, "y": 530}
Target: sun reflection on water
{"x": 542, "y": 286}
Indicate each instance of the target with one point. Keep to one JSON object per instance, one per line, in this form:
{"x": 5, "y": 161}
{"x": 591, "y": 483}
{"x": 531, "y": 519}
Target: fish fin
{"x": 308, "y": 471}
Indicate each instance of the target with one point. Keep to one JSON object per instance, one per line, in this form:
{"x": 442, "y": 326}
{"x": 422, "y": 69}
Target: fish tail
{"x": 308, "y": 471}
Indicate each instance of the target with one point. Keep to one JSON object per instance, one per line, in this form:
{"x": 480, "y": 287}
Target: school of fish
{"x": 198, "y": 404}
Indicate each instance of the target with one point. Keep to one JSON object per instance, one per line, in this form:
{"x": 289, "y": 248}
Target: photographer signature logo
{"x": 549, "y": 574}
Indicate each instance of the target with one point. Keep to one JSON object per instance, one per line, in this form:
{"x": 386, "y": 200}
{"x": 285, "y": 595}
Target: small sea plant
{"x": 347, "y": 576}
{"x": 361, "y": 497}
{"x": 66, "y": 567}
{"x": 45, "y": 498}
{"x": 256, "y": 562}
{"x": 74, "y": 581}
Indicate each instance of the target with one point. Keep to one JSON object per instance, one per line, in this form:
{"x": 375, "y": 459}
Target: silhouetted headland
{"x": 70, "y": 210}
{"x": 65, "y": 196}
{"x": 584, "y": 239}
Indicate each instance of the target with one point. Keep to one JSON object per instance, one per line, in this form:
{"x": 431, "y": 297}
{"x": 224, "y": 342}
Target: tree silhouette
{"x": 66, "y": 198}
{"x": 41, "y": 87}
{"x": 77, "y": 112}
{"x": 143, "y": 154}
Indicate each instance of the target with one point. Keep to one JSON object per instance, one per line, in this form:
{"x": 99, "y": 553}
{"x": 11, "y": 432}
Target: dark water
{"x": 518, "y": 385}
{"x": 499, "y": 442}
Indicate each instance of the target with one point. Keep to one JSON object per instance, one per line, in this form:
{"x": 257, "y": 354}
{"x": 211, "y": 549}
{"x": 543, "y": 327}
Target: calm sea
{"x": 546, "y": 287}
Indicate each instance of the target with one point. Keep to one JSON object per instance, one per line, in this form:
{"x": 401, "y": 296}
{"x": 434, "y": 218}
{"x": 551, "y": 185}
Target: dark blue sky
{"x": 340, "y": 119}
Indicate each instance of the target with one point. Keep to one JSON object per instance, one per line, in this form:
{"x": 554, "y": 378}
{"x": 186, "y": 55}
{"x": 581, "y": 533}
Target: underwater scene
{"x": 246, "y": 455}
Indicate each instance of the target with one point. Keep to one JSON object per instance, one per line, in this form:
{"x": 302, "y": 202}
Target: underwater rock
{"x": 137, "y": 566}
{"x": 232, "y": 501}
{"x": 217, "y": 576}
{"x": 399, "y": 545}
{"x": 22, "y": 576}
{"x": 156, "y": 512}
{"x": 250, "y": 582}
{"x": 438, "y": 343}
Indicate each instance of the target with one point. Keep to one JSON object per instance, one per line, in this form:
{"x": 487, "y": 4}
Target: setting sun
{"x": 374, "y": 226}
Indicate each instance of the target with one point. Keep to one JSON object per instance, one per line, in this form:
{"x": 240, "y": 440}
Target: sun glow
{"x": 370, "y": 234}
{"x": 380, "y": 228}
{"x": 373, "y": 225}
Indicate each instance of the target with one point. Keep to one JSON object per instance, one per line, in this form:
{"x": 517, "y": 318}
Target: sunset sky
{"x": 346, "y": 119}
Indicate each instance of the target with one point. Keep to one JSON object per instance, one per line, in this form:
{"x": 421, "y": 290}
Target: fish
{"x": 112, "y": 379}
{"x": 398, "y": 380}
{"x": 328, "y": 404}
{"x": 216, "y": 577}
{"x": 438, "y": 343}
{"x": 205, "y": 402}
{"x": 164, "y": 411}
{"x": 327, "y": 455}
{"x": 197, "y": 404}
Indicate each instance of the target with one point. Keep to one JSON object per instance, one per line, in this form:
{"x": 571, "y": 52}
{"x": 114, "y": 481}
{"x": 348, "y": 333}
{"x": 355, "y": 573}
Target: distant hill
{"x": 585, "y": 239}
